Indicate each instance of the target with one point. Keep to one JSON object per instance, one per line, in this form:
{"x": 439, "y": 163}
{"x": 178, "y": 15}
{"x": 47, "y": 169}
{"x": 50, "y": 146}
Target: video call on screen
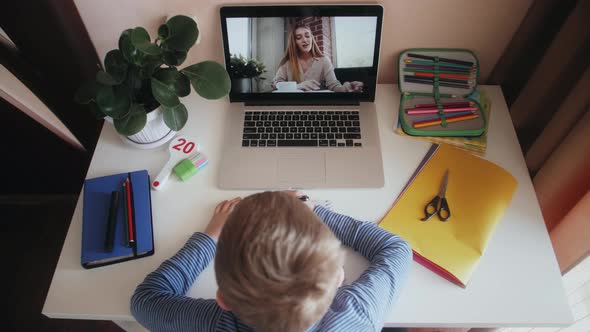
{"x": 302, "y": 54}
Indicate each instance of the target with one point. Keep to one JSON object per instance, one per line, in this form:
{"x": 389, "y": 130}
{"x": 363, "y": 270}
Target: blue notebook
{"x": 95, "y": 215}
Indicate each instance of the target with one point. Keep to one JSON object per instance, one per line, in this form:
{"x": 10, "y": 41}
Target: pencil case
{"x": 438, "y": 96}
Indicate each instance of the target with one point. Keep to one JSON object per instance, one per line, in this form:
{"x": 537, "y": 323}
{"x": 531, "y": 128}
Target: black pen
{"x": 426, "y": 57}
{"x": 111, "y": 222}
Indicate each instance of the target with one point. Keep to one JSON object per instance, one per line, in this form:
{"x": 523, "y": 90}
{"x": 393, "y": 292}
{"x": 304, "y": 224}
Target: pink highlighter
{"x": 190, "y": 166}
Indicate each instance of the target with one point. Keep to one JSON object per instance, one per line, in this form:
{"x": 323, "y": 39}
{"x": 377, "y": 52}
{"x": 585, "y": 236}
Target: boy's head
{"x": 277, "y": 265}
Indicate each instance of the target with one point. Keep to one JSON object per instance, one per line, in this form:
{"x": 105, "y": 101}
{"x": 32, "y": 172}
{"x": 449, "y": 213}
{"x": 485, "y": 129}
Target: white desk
{"x": 517, "y": 282}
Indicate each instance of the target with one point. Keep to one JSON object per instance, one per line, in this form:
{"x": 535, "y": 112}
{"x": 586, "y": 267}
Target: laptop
{"x": 302, "y": 111}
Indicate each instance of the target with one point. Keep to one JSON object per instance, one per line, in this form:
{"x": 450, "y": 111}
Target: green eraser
{"x": 185, "y": 169}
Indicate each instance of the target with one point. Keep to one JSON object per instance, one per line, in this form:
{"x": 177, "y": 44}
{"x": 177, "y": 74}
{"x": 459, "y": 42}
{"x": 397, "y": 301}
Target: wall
{"x": 269, "y": 29}
{"x": 485, "y": 27}
{"x": 321, "y": 28}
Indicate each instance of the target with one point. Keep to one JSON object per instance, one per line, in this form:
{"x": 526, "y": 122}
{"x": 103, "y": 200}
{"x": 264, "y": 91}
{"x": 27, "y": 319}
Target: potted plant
{"x": 243, "y": 70}
{"x": 140, "y": 86}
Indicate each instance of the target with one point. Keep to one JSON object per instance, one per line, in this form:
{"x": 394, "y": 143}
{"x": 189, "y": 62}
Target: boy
{"x": 278, "y": 268}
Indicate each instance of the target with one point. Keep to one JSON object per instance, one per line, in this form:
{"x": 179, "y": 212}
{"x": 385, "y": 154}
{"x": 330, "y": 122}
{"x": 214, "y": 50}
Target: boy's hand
{"x": 222, "y": 210}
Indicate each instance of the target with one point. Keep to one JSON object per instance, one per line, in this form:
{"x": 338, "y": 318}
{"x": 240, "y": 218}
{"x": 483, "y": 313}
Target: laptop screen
{"x": 302, "y": 54}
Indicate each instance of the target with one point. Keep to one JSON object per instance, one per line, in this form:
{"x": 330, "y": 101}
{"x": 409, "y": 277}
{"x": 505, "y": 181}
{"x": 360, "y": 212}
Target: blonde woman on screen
{"x": 304, "y": 63}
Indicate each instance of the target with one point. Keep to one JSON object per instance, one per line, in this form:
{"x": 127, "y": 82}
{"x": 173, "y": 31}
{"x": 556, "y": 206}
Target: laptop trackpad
{"x": 302, "y": 169}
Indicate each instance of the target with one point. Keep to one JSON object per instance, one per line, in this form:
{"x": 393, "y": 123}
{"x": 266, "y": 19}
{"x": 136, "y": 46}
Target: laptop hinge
{"x": 333, "y": 102}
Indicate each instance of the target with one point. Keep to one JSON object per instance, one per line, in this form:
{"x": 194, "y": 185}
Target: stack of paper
{"x": 478, "y": 192}
{"x": 476, "y": 145}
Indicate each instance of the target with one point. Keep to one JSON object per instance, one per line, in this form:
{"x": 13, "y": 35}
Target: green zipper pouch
{"x": 438, "y": 97}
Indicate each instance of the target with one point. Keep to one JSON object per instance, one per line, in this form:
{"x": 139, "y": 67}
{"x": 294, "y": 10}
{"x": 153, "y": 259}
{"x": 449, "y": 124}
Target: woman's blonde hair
{"x": 277, "y": 264}
{"x": 292, "y": 51}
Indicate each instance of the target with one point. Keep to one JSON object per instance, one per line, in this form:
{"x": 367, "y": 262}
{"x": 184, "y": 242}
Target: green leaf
{"x": 149, "y": 65}
{"x": 183, "y": 86}
{"x": 164, "y": 94}
{"x": 115, "y": 64}
{"x": 209, "y": 79}
{"x": 113, "y": 102}
{"x": 182, "y": 33}
{"x": 167, "y": 76}
{"x": 86, "y": 93}
{"x": 147, "y": 70}
{"x": 126, "y": 47}
{"x": 174, "y": 79}
{"x": 163, "y": 31}
{"x": 174, "y": 58}
{"x": 106, "y": 78}
{"x": 139, "y": 58}
{"x": 141, "y": 40}
{"x": 133, "y": 81}
{"x": 133, "y": 122}
{"x": 175, "y": 117}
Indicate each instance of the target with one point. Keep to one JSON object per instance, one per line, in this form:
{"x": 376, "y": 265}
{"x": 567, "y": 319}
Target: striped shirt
{"x": 160, "y": 304}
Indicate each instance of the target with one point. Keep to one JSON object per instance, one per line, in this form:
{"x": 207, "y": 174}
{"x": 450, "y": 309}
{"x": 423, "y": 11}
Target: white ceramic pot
{"x": 154, "y": 134}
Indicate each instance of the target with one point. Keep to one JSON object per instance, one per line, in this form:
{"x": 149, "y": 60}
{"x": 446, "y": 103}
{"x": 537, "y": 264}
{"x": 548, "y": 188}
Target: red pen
{"x": 129, "y": 211}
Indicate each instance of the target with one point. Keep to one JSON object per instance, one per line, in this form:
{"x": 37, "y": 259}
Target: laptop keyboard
{"x": 302, "y": 128}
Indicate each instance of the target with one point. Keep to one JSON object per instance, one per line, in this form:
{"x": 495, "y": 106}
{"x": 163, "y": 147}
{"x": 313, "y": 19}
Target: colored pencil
{"x": 449, "y": 119}
{"x": 452, "y": 72}
{"x": 466, "y": 71}
{"x": 447, "y": 104}
{"x": 446, "y": 80}
{"x": 422, "y": 62}
{"x": 435, "y": 110}
{"x": 448, "y": 85}
{"x": 426, "y": 57}
{"x": 438, "y": 117}
{"x": 442, "y": 74}
{"x": 460, "y": 77}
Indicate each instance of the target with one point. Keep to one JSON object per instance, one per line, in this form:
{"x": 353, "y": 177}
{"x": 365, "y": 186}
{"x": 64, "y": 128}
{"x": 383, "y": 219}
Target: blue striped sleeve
{"x": 376, "y": 290}
{"x": 159, "y": 302}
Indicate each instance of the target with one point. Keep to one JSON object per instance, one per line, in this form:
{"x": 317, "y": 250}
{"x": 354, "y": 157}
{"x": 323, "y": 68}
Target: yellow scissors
{"x": 433, "y": 207}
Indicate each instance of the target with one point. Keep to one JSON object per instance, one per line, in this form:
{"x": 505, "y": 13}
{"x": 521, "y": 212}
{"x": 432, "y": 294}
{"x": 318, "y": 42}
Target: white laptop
{"x": 303, "y": 86}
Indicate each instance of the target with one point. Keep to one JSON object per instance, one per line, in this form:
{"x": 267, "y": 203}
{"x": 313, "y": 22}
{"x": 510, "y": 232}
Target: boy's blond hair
{"x": 277, "y": 264}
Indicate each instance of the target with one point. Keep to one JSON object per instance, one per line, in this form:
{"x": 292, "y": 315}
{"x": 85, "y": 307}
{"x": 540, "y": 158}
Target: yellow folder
{"x": 478, "y": 192}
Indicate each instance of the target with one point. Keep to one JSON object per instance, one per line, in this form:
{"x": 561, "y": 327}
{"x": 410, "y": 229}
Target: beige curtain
{"x": 563, "y": 189}
{"x": 545, "y": 74}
